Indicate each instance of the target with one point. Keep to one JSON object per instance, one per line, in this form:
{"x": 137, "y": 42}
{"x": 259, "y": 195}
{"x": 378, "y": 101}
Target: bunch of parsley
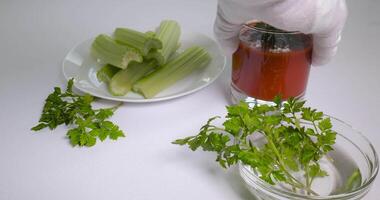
{"x": 87, "y": 124}
{"x": 296, "y": 138}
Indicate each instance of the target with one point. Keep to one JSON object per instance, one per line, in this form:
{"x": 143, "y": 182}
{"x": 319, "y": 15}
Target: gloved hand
{"x": 322, "y": 18}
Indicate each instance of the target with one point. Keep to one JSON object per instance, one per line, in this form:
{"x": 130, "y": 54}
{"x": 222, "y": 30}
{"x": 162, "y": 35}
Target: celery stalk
{"x": 175, "y": 70}
{"x": 105, "y": 73}
{"x": 109, "y": 51}
{"x": 151, "y": 34}
{"x": 154, "y": 54}
{"x": 143, "y": 42}
{"x": 121, "y": 83}
{"x": 168, "y": 33}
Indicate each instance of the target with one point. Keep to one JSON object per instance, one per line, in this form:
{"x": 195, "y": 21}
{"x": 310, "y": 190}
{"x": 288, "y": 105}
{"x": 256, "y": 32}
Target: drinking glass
{"x": 270, "y": 62}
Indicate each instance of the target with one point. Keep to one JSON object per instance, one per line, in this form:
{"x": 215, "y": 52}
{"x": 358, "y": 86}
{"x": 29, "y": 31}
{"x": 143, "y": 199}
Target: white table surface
{"x": 36, "y": 35}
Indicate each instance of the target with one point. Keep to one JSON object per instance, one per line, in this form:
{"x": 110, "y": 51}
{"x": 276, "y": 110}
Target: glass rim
{"x": 284, "y": 193}
{"x": 247, "y": 25}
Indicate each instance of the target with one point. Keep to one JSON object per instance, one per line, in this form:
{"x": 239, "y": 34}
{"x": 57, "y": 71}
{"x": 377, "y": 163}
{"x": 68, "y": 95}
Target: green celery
{"x": 175, "y": 70}
{"x": 144, "y": 42}
{"x": 168, "y": 33}
{"x": 109, "y": 51}
{"x": 121, "y": 83}
{"x": 105, "y": 73}
{"x": 154, "y": 54}
{"x": 151, "y": 34}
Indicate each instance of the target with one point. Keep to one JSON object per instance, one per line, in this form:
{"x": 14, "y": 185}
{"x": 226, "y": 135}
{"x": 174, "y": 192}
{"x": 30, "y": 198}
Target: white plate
{"x": 78, "y": 64}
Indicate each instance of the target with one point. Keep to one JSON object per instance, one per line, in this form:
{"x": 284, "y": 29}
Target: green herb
{"x": 266, "y": 27}
{"x": 295, "y": 139}
{"x": 76, "y": 111}
{"x": 354, "y": 181}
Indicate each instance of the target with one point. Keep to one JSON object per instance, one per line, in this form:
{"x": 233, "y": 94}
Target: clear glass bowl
{"x": 352, "y": 169}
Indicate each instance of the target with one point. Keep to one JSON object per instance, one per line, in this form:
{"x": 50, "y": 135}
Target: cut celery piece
{"x": 154, "y": 54}
{"x": 158, "y": 57}
{"x": 121, "y": 83}
{"x": 173, "y": 56}
{"x": 168, "y": 33}
{"x": 109, "y": 51}
{"x": 105, "y": 73}
{"x": 175, "y": 70}
{"x": 143, "y": 42}
{"x": 151, "y": 34}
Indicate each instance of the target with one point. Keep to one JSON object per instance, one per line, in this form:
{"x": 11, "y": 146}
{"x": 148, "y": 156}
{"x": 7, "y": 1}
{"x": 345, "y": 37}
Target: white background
{"x": 36, "y": 35}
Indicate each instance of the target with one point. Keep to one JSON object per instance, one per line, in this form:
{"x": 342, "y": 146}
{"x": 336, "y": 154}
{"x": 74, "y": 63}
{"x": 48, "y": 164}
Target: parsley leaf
{"x": 76, "y": 111}
{"x": 293, "y": 140}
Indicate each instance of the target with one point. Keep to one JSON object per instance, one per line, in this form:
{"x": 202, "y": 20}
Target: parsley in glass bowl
{"x": 351, "y": 166}
{"x": 287, "y": 150}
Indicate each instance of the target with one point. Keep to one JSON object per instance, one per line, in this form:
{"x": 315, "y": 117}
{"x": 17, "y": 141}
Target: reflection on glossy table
{"x": 36, "y": 35}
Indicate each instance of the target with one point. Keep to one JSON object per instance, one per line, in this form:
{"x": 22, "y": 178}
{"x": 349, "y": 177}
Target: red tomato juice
{"x": 264, "y": 74}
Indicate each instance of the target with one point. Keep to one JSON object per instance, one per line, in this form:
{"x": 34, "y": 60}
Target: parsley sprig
{"x": 87, "y": 124}
{"x": 295, "y": 139}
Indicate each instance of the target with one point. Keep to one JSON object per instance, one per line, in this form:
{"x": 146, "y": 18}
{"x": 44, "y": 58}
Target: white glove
{"x": 322, "y": 18}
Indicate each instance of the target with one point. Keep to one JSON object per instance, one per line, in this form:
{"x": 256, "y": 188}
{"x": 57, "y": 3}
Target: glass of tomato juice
{"x": 270, "y": 62}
